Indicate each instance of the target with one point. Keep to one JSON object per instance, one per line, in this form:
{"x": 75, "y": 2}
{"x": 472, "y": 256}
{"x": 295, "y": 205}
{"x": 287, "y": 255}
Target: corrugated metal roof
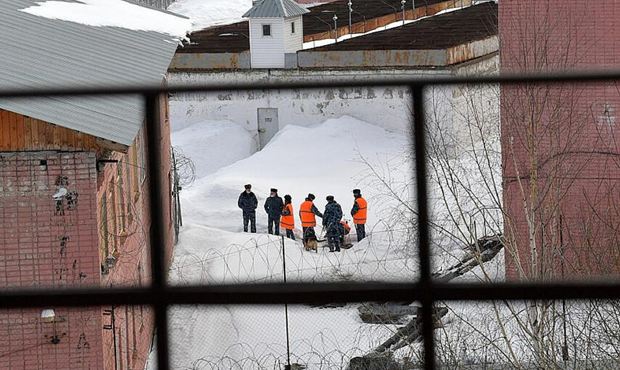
{"x": 37, "y": 52}
{"x": 275, "y": 9}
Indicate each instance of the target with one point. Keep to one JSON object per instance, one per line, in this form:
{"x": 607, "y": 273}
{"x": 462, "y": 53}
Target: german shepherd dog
{"x": 310, "y": 241}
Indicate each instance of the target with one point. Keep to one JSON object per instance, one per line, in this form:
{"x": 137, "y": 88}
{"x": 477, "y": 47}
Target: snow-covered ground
{"x": 331, "y": 158}
{"x": 328, "y": 159}
{"x": 226, "y": 141}
{"x": 205, "y": 13}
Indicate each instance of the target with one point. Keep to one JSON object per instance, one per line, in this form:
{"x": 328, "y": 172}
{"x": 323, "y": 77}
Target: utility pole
{"x": 335, "y": 18}
{"x": 288, "y": 341}
{"x": 350, "y": 4}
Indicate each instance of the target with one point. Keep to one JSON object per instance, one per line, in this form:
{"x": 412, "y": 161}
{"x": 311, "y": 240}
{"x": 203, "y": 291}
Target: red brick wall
{"x": 561, "y": 158}
{"x": 32, "y": 255}
{"x": 133, "y": 327}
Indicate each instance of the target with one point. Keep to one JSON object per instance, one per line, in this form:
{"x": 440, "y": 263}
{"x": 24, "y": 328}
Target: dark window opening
{"x": 266, "y": 30}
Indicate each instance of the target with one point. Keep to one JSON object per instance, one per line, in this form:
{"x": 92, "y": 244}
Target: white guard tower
{"x": 276, "y": 33}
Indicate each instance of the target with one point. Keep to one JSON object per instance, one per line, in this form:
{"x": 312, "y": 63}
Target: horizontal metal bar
{"x": 513, "y": 78}
{"x": 298, "y": 293}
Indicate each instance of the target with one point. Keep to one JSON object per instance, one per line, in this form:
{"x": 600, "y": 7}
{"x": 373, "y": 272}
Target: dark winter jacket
{"x": 332, "y": 217}
{"x": 247, "y": 202}
{"x": 273, "y": 206}
{"x": 316, "y": 211}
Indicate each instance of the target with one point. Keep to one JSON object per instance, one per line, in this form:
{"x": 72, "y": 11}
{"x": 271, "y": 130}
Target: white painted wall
{"x": 267, "y": 51}
{"x": 293, "y": 41}
{"x": 387, "y": 107}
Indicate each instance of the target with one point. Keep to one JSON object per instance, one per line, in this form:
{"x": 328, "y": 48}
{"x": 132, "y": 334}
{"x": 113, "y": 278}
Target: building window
{"x": 135, "y": 169}
{"x": 112, "y": 214}
{"x": 266, "y": 30}
{"x": 120, "y": 188}
{"x": 142, "y": 156}
{"x": 293, "y": 27}
{"x": 103, "y": 230}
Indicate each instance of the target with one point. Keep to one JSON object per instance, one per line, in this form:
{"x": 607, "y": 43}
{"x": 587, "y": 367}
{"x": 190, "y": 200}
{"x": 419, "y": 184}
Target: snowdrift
{"x": 213, "y": 145}
{"x": 331, "y": 158}
{"x": 206, "y": 13}
{"x": 328, "y": 159}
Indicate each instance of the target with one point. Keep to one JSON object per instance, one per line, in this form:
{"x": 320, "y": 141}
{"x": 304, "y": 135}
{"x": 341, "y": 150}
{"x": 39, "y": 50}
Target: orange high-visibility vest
{"x": 359, "y": 218}
{"x": 306, "y": 214}
{"x": 288, "y": 222}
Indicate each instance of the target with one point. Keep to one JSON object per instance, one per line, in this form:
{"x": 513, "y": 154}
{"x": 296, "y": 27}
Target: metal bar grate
{"x": 161, "y": 297}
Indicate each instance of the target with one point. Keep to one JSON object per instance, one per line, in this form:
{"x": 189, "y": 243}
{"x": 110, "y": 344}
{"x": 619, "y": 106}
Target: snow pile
{"x": 206, "y": 13}
{"x": 324, "y": 160}
{"x": 112, "y": 13}
{"x": 226, "y": 141}
{"x": 328, "y": 159}
{"x": 331, "y": 158}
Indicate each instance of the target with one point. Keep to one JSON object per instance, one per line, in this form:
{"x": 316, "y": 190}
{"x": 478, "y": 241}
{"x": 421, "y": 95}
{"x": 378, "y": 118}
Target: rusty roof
{"x": 230, "y": 38}
{"x": 320, "y": 18}
{"x": 234, "y": 38}
{"x": 442, "y": 31}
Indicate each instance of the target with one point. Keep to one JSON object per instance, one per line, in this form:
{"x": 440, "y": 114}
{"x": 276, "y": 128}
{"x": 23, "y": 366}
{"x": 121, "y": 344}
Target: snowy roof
{"x": 88, "y": 43}
{"x": 275, "y": 9}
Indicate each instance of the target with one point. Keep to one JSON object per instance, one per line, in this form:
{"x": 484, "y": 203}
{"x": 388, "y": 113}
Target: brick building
{"x": 74, "y": 188}
{"x": 560, "y": 142}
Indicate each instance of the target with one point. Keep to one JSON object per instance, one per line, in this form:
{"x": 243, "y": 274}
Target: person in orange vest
{"x": 359, "y": 212}
{"x": 287, "y": 222}
{"x": 307, "y": 213}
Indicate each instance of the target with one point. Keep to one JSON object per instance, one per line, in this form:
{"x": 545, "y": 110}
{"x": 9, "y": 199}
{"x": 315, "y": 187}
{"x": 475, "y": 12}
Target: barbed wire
{"x": 184, "y": 167}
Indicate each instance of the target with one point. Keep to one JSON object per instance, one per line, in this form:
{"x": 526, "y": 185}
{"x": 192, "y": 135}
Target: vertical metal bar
{"x": 288, "y": 338}
{"x": 419, "y": 140}
{"x": 158, "y": 226}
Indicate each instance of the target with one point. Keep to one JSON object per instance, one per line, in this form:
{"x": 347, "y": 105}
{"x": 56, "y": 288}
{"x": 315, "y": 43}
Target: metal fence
{"x": 425, "y": 290}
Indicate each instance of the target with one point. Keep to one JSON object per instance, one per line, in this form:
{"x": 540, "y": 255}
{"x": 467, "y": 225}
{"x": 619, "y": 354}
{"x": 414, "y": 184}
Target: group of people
{"x": 280, "y": 215}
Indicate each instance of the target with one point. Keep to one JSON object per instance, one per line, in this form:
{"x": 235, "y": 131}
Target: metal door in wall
{"x": 268, "y": 125}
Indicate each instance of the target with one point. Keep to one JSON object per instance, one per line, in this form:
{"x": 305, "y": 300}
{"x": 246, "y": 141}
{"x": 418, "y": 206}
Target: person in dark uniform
{"x": 273, "y": 207}
{"x": 331, "y": 221}
{"x": 248, "y": 203}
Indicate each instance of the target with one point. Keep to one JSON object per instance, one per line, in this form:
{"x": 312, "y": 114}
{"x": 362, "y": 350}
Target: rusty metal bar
{"x": 308, "y": 293}
{"x": 424, "y": 251}
{"x": 507, "y": 79}
{"x": 158, "y": 226}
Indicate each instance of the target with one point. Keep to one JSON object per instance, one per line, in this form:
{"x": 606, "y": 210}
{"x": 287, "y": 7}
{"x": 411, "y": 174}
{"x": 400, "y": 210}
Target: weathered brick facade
{"x": 102, "y": 239}
{"x": 43, "y": 247}
{"x": 560, "y": 142}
